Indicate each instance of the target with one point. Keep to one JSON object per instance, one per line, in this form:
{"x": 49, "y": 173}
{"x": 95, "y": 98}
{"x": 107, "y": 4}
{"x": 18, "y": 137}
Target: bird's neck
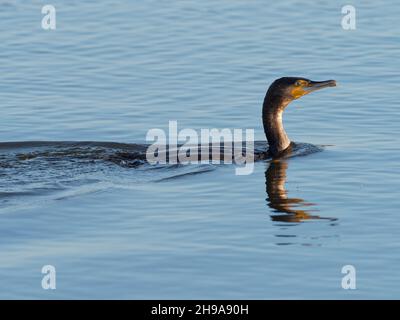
{"x": 273, "y": 127}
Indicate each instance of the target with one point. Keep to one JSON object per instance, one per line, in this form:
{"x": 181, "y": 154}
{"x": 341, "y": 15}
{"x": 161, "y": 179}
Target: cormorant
{"x": 281, "y": 92}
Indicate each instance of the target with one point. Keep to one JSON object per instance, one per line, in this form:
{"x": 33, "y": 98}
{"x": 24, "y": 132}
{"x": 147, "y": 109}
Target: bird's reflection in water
{"x": 287, "y": 209}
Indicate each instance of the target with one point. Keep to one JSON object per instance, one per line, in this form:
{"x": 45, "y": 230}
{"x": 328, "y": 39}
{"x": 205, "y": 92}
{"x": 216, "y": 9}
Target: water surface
{"x": 113, "y": 70}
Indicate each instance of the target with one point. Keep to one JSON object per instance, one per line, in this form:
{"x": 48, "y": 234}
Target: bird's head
{"x": 281, "y": 92}
{"x": 291, "y": 88}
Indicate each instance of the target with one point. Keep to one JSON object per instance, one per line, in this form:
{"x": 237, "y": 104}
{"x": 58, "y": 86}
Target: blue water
{"x": 112, "y": 70}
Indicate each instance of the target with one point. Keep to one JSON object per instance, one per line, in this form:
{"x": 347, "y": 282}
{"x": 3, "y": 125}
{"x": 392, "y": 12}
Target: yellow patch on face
{"x": 298, "y": 92}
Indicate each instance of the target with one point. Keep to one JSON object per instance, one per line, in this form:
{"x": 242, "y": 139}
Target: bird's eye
{"x": 298, "y": 83}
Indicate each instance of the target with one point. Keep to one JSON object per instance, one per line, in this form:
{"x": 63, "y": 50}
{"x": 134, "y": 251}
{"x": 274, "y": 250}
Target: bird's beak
{"x": 317, "y": 85}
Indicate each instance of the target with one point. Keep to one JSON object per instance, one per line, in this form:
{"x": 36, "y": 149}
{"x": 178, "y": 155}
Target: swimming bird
{"x": 281, "y": 92}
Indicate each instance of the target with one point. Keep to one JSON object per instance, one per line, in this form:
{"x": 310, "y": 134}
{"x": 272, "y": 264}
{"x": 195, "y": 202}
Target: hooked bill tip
{"x": 333, "y": 83}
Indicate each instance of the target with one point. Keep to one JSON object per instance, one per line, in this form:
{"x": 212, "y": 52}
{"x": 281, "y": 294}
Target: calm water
{"x": 115, "y": 69}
